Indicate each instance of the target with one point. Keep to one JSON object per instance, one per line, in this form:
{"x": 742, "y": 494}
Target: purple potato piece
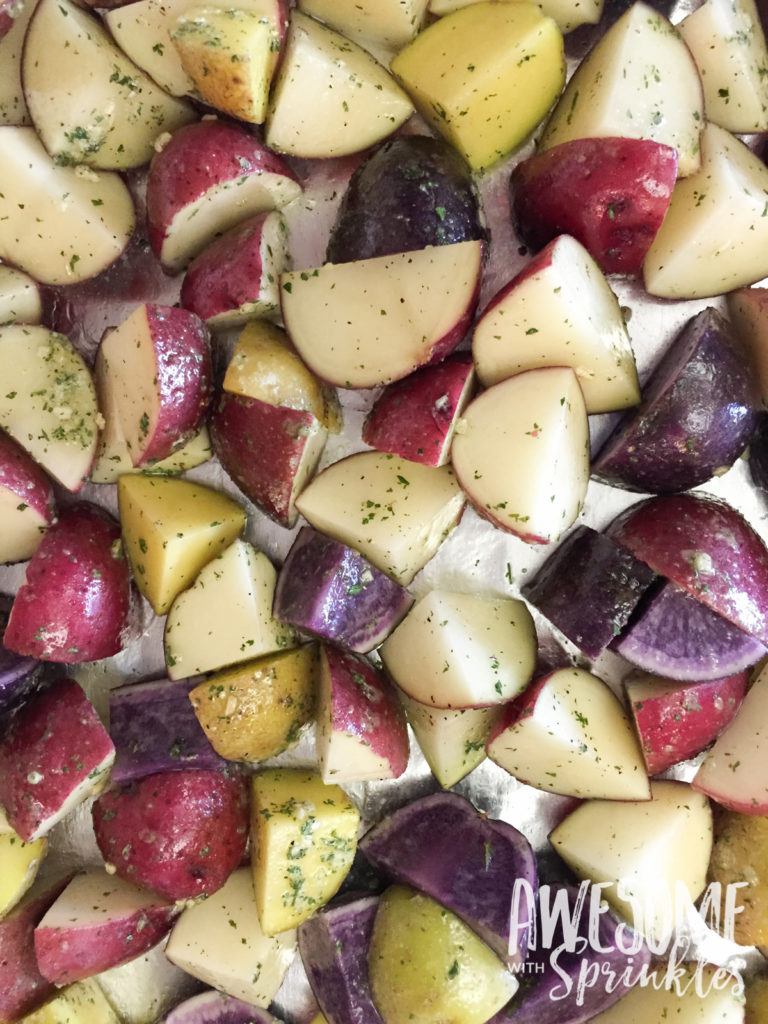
{"x": 410, "y": 192}
{"x": 217, "y": 1008}
{"x": 334, "y": 949}
{"x": 550, "y": 985}
{"x": 19, "y": 674}
{"x": 154, "y": 728}
{"x": 676, "y": 636}
{"x": 441, "y": 845}
{"x": 698, "y": 413}
{"x": 329, "y": 590}
{"x": 588, "y": 588}
{"x": 758, "y": 453}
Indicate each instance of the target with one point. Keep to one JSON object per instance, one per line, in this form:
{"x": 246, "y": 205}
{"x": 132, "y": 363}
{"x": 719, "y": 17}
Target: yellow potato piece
{"x": 485, "y": 76}
{"x": 257, "y": 710}
{"x": 304, "y": 837}
{"x": 80, "y": 1003}
{"x": 19, "y": 863}
{"x": 740, "y": 854}
{"x": 171, "y": 529}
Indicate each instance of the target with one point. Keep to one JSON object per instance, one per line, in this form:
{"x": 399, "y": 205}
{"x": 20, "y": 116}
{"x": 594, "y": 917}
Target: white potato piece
{"x": 48, "y": 401}
{"x": 521, "y": 453}
{"x": 457, "y": 650}
{"x": 330, "y": 96}
{"x": 560, "y": 311}
{"x": 569, "y": 734}
{"x": 373, "y": 321}
{"x": 220, "y": 942}
{"x": 728, "y": 45}
{"x": 650, "y": 883}
{"x": 699, "y": 994}
{"x": 147, "y": 987}
{"x": 451, "y": 739}
{"x": 396, "y": 513}
{"x": 714, "y": 237}
{"x": 735, "y": 772}
{"x": 226, "y": 615}
{"x": 80, "y": 1003}
{"x": 568, "y": 14}
{"x": 83, "y": 222}
{"x": 390, "y": 23}
{"x": 142, "y": 30}
{"x": 19, "y": 297}
{"x": 88, "y": 102}
{"x": 13, "y": 107}
{"x": 640, "y": 82}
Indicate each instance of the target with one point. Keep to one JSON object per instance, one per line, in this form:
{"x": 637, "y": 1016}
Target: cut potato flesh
{"x": 19, "y": 863}
{"x": 19, "y": 298}
{"x": 394, "y": 512}
{"x": 373, "y": 321}
{"x": 82, "y": 222}
{"x": 109, "y": 113}
{"x": 330, "y": 96}
{"x": 13, "y": 107}
{"x": 451, "y": 739}
{"x": 226, "y": 615}
{"x": 692, "y": 995}
{"x": 80, "y": 1003}
{"x": 21, "y": 527}
{"x": 714, "y": 237}
{"x": 390, "y": 23}
{"x": 639, "y": 82}
{"x": 654, "y": 853}
{"x": 521, "y": 453}
{"x": 48, "y": 402}
{"x": 568, "y": 14}
{"x": 142, "y": 30}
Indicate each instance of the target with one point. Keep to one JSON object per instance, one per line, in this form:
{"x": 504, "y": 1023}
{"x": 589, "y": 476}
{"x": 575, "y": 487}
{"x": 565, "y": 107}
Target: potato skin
{"x": 411, "y": 192}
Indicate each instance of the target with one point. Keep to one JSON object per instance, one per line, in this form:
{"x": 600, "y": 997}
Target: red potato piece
{"x": 610, "y": 194}
{"x": 236, "y": 277}
{"x": 179, "y": 834}
{"x": 22, "y": 987}
{"x": 44, "y": 771}
{"x": 7, "y": 16}
{"x": 676, "y": 721}
{"x": 270, "y": 451}
{"x": 98, "y": 922}
{"x": 698, "y": 413}
{"x": 706, "y": 547}
{"x": 328, "y": 589}
{"x": 415, "y": 417}
{"x": 211, "y": 176}
{"x": 442, "y": 846}
{"x": 362, "y": 733}
{"x": 27, "y": 505}
{"x": 77, "y": 599}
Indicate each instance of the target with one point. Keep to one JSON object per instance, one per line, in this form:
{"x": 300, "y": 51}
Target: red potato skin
{"x": 415, "y": 416}
{"x": 199, "y": 157}
{"x": 706, "y": 547}
{"x": 261, "y": 447}
{"x": 610, "y": 194}
{"x": 521, "y": 707}
{"x": 7, "y": 16}
{"x": 229, "y": 273}
{"x": 76, "y": 603}
{"x": 51, "y": 747}
{"x": 22, "y": 987}
{"x": 680, "y": 723}
{"x": 178, "y": 834}
{"x": 20, "y": 474}
{"x": 181, "y": 346}
{"x": 364, "y": 704}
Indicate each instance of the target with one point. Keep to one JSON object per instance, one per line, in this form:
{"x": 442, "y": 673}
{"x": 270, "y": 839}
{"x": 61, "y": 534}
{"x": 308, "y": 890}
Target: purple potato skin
{"x": 411, "y": 192}
{"x": 441, "y": 845}
{"x": 19, "y": 675}
{"x": 545, "y": 997}
{"x": 676, "y": 636}
{"x": 334, "y": 946}
{"x": 154, "y": 728}
{"x": 698, "y": 413}
{"x": 588, "y": 588}
{"x": 758, "y": 453}
{"x": 329, "y": 590}
{"x": 217, "y": 1008}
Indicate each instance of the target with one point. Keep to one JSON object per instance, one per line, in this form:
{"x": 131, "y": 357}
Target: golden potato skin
{"x": 740, "y": 854}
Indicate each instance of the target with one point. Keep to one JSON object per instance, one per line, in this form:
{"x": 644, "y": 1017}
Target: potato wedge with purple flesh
{"x": 218, "y": 1008}
{"x": 588, "y": 588}
{"x": 409, "y": 193}
{"x": 698, "y": 413}
{"x": 443, "y": 846}
{"x": 178, "y": 834}
{"x": 331, "y": 591}
{"x": 581, "y": 984}
{"x": 706, "y": 547}
{"x": 154, "y": 729}
{"x": 675, "y": 635}
{"x": 44, "y": 772}
{"x": 676, "y": 721}
{"x": 334, "y": 950}
{"x": 610, "y": 194}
